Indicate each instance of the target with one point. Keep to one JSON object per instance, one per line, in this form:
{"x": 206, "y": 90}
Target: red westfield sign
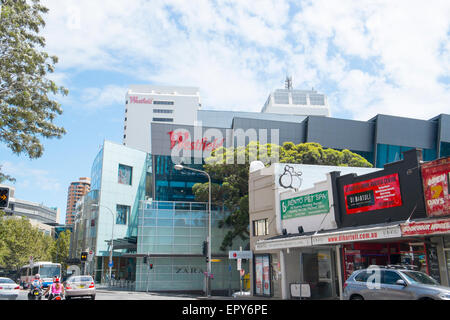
{"x": 138, "y": 100}
{"x": 180, "y": 140}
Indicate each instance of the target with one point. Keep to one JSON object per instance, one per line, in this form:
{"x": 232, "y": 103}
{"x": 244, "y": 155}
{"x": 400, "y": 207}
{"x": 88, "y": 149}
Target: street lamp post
{"x": 112, "y": 240}
{"x": 208, "y": 280}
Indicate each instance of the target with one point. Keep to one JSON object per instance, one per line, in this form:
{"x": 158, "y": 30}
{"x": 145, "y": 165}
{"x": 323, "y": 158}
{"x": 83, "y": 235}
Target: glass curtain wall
{"x": 172, "y": 234}
{"x": 388, "y": 153}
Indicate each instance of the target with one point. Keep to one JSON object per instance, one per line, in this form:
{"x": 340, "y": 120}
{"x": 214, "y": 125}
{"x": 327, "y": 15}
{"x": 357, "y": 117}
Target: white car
{"x": 8, "y": 289}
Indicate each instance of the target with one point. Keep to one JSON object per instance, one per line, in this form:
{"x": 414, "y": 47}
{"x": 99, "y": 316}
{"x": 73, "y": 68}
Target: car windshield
{"x": 416, "y": 277}
{"x": 80, "y": 279}
{"x": 6, "y": 281}
{"x": 49, "y": 271}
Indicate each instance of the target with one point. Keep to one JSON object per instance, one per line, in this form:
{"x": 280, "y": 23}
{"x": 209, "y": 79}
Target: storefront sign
{"x": 283, "y": 243}
{"x": 425, "y": 228}
{"x": 374, "y": 194}
{"x": 360, "y": 235}
{"x": 308, "y": 205}
{"x": 436, "y": 187}
{"x": 180, "y": 140}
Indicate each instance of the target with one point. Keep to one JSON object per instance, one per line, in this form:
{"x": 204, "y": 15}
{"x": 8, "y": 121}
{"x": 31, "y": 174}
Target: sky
{"x": 369, "y": 57}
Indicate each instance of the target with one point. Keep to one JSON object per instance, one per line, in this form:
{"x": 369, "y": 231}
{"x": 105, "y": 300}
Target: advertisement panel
{"x": 262, "y": 275}
{"x": 425, "y": 228}
{"x": 307, "y": 205}
{"x": 436, "y": 187}
{"x": 374, "y": 194}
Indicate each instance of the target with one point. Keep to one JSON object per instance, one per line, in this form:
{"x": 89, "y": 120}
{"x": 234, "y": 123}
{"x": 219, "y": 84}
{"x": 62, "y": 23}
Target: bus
{"x": 47, "y": 271}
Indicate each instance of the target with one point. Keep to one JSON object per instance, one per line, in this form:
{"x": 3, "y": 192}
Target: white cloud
{"x": 30, "y": 178}
{"x": 369, "y": 56}
{"x": 103, "y": 97}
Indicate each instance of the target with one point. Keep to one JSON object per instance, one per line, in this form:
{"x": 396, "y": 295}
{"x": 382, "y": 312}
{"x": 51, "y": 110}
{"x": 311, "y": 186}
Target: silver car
{"x": 378, "y": 283}
{"x": 8, "y": 289}
{"x": 79, "y": 286}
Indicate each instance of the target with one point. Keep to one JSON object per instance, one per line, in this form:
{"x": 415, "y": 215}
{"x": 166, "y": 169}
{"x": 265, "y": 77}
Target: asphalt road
{"x": 102, "y": 294}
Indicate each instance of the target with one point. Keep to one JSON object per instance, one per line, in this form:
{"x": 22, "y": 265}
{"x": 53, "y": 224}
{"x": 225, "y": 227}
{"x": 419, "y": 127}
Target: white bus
{"x": 47, "y": 270}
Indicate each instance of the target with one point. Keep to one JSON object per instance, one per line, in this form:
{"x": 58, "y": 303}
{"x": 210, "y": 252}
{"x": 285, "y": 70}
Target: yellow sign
{"x": 215, "y": 260}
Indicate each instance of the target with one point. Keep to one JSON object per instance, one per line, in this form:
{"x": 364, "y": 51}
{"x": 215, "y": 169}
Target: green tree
{"x": 232, "y": 187}
{"x": 20, "y": 240}
{"x": 27, "y": 109}
{"x": 60, "y": 249}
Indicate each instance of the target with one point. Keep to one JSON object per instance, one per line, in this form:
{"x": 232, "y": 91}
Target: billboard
{"x": 307, "y": 205}
{"x": 436, "y": 187}
{"x": 374, "y": 194}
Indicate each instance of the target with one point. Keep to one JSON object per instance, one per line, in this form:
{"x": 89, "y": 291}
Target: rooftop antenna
{"x": 288, "y": 83}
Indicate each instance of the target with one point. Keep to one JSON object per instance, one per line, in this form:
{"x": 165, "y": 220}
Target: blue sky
{"x": 368, "y": 57}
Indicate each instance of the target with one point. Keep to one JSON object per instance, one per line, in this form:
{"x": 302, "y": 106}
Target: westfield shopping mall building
{"x": 148, "y": 208}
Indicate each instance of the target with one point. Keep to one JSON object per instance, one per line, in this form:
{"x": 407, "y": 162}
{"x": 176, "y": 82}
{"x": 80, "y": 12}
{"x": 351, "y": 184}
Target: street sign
{"x": 242, "y": 272}
{"x": 215, "y": 260}
{"x": 110, "y": 264}
{"x": 240, "y": 254}
{"x": 239, "y": 264}
{"x": 90, "y": 255}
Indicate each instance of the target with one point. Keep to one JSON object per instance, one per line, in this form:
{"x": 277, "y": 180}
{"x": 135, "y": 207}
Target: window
{"x": 163, "y": 119}
{"x": 390, "y": 277}
{"x": 122, "y": 214}
{"x": 125, "y": 174}
{"x": 169, "y": 103}
{"x": 362, "y": 276}
{"x": 162, "y": 111}
{"x": 260, "y": 227}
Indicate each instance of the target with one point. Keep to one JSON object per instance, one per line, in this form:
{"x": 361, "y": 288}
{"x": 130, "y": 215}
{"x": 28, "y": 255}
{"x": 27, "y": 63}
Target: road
{"x": 103, "y": 294}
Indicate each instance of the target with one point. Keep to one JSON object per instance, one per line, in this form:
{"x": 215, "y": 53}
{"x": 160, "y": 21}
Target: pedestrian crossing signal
{"x": 4, "y": 197}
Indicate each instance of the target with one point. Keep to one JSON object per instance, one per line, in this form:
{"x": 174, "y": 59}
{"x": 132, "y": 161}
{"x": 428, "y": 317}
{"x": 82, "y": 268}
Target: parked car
{"x": 80, "y": 286}
{"x": 8, "y": 289}
{"x": 393, "y": 283}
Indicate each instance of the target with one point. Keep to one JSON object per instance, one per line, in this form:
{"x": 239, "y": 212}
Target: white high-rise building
{"x": 296, "y": 102}
{"x": 162, "y": 104}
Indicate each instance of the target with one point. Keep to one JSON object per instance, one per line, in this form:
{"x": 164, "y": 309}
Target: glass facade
{"x": 172, "y": 234}
{"x": 175, "y": 185}
{"x": 445, "y": 149}
{"x": 389, "y": 153}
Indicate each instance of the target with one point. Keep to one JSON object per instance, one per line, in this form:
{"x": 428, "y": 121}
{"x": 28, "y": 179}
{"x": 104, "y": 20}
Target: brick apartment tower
{"x": 76, "y": 191}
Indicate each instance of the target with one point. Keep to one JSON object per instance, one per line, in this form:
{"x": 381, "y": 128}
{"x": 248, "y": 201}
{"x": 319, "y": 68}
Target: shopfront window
{"x": 359, "y": 256}
{"x": 122, "y": 214}
{"x": 262, "y": 275}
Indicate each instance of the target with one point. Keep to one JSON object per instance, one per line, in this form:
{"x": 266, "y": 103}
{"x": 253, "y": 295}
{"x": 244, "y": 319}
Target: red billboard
{"x": 374, "y": 194}
{"x": 436, "y": 185}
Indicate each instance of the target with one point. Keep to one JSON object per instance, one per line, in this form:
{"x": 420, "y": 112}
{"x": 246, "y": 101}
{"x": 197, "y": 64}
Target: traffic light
{"x": 4, "y": 197}
{"x": 151, "y": 265}
{"x": 84, "y": 255}
{"x": 205, "y": 248}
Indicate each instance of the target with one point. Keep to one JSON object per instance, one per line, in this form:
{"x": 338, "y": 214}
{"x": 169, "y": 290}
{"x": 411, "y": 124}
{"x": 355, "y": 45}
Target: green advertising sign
{"x": 308, "y": 205}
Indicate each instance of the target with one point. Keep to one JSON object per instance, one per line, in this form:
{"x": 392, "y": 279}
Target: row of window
{"x": 162, "y": 111}
{"x": 163, "y": 119}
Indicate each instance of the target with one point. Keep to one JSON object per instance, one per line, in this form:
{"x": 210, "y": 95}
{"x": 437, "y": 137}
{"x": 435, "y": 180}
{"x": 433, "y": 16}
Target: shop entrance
{"x": 361, "y": 255}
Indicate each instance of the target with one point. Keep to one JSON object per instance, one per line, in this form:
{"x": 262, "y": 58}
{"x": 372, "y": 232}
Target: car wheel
{"x": 67, "y": 298}
{"x": 356, "y": 297}
{"x": 93, "y": 297}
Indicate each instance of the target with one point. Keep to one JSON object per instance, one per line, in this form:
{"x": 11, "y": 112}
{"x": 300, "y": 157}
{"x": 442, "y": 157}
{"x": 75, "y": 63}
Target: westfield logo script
{"x": 141, "y": 100}
{"x": 182, "y": 141}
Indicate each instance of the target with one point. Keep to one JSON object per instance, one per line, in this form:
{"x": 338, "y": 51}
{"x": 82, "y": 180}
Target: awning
{"x": 124, "y": 243}
{"x": 426, "y": 228}
{"x": 331, "y": 238}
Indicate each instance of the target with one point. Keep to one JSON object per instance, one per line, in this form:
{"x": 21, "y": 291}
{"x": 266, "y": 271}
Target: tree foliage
{"x": 19, "y": 240}
{"x": 232, "y": 191}
{"x": 27, "y": 110}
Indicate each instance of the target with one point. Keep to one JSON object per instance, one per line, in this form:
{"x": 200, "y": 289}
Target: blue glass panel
{"x": 165, "y": 222}
{"x": 445, "y": 149}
